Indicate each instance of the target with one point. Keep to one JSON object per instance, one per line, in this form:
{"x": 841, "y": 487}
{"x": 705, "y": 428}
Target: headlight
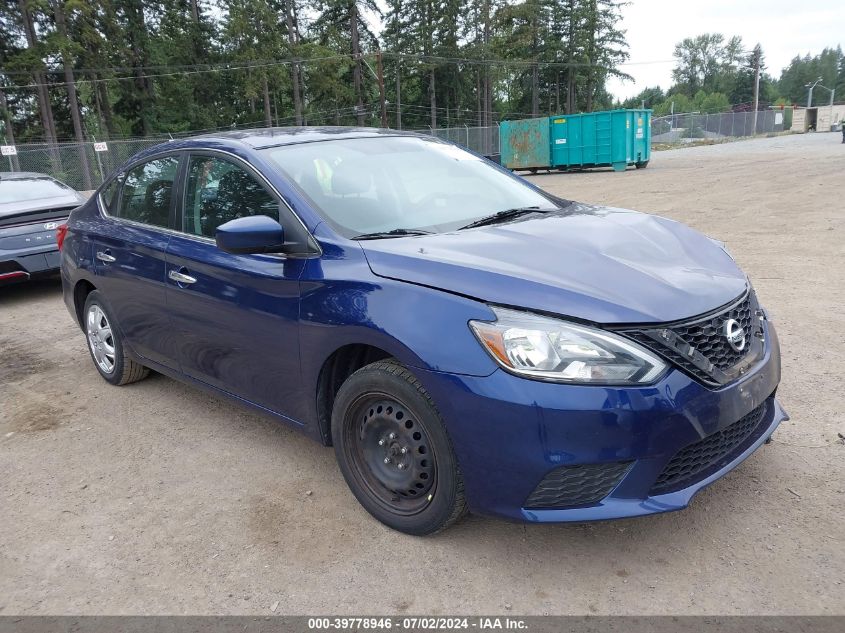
{"x": 550, "y": 349}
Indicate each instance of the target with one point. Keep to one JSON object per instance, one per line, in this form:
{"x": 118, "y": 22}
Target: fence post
{"x": 11, "y": 164}
{"x": 467, "y": 127}
{"x": 99, "y": 162}
{"x": 499, "y": 139}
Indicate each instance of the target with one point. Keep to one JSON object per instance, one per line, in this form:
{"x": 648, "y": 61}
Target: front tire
{"x": 106, "y": 346}
{"x": 394, "y": 452}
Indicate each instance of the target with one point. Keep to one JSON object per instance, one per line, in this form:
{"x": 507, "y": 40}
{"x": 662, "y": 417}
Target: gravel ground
{"x": 156, "y": 498}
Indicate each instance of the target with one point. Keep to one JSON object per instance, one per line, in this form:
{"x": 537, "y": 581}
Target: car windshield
{"x": 400, "y": 183}
{"x": 25, "y": 189}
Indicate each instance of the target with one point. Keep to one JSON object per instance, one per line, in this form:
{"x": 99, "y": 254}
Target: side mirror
{"x": 253, "y": 234}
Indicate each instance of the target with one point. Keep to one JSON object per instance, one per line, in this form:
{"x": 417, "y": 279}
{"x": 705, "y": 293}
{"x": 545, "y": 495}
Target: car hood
{"x": 598, "y": 264}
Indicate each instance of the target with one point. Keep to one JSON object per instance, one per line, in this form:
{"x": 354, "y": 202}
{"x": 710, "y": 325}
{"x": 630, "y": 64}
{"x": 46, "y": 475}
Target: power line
{"x": 199, "y": 69}
{"x": 175, "y": 73}
{"x": 268, "y": 62}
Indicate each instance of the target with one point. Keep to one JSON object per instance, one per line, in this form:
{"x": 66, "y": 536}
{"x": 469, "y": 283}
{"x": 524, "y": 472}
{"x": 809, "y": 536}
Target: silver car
{"x": 32, "y": 207}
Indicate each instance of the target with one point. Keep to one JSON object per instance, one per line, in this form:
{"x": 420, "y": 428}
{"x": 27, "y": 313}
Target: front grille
{"x": 700, "y": 347}
{"x": 673, "y": 356}
{"x": 708, "y": 336}
{"x": 700, "y": 459}
{"x": 585, "y": 484}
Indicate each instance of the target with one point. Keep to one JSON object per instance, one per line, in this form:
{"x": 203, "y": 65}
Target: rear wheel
{"x": 394, "y": 452}
{"x": 106, "y": 346}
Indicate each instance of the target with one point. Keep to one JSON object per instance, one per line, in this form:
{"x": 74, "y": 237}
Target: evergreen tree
{"x": 341, "y": 26}
{"x": 141, "y": 67}
{"x": 135, "y": 99}
{"x": 827, "y": 65}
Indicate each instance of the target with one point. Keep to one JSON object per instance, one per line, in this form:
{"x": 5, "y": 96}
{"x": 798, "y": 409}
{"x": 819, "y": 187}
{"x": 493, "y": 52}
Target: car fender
{"x": 344, "y": 303}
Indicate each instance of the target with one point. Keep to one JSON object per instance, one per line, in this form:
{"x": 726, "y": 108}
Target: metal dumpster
{"x": 616, "y": 138}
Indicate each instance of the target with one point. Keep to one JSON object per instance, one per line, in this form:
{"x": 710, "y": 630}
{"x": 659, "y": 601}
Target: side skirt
{"x": 179, "y": 376}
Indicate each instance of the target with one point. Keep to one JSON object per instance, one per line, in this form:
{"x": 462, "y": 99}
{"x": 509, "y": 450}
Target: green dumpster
{"x": 616, "y": 138}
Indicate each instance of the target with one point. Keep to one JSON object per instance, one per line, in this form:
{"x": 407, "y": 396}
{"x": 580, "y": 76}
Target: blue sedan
{"x": 464, "y": 340}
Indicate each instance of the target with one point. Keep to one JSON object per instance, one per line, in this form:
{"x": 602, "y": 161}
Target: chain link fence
{"x": 84, "y": 168}
{"x": 675, "y": 129}
{"x": 481, "y": 140}
{"x": 77, "y": 164}
{"x": 678, "y": 129}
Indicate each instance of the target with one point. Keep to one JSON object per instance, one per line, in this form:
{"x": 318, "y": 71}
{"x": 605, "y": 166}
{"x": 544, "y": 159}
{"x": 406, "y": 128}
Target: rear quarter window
{"x": 109, "y": 194}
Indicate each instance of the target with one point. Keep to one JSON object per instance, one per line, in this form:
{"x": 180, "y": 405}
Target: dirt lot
{"x": 156, "y": 498}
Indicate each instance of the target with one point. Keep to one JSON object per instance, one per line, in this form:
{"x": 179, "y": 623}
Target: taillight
{"x": 61, "y": 232}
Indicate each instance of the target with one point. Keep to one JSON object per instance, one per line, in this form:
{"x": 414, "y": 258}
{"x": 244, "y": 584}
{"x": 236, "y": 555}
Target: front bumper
{"x": 509, "y": 433}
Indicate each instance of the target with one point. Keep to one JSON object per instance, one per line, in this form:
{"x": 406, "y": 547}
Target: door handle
{"x": 105, "y": 257}
{"x": 181, "y": 278}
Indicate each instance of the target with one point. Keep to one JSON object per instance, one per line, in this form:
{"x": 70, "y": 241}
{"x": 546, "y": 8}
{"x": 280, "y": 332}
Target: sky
{"x": 784, "y": 28}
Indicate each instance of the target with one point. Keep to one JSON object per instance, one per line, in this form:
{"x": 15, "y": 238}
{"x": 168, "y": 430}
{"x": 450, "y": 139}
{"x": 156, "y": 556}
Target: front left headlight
{"x": 551, "y": 349}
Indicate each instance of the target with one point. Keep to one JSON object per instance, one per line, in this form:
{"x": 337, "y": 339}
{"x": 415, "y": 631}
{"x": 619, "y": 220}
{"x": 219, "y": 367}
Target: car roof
{"x": 275, "y": 136}
{"x": 260, "y": 138}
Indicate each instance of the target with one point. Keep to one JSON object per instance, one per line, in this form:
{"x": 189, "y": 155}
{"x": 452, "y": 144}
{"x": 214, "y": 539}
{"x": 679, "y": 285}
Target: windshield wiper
{"x": 394, "y": 233}
{"x": 501, "y": 216}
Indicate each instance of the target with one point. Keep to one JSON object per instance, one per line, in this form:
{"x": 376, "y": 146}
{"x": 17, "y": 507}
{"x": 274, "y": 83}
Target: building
{"x": 819, "y": 118}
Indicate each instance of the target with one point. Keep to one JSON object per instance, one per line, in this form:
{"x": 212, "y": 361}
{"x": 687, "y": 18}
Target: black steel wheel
{"x": 394, "y": 451}
{"x": 392, "y": 454}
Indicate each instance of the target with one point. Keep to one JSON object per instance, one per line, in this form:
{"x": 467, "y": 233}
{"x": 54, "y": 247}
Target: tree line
{"x": 71, "y": 69}
{"x": 713, "y": 73}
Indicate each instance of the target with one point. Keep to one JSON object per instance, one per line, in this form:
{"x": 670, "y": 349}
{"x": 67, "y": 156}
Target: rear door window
{"x": 148, "y": 192}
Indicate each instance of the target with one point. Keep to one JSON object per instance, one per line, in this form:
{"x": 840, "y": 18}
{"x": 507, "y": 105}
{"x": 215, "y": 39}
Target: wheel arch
{"x": 345, "y": 321}
{"x": 81, "y": 291}
{"x": 339, "y": 365}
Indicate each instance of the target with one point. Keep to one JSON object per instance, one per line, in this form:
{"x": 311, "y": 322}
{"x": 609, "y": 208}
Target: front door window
{"x": 218, "y": 191}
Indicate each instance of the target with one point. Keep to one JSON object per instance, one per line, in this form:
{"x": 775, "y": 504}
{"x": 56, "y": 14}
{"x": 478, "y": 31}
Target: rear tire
{"x": 106, "y": 345}
{"x": 394, "y": 452}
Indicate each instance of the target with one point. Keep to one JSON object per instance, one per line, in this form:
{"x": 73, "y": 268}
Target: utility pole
{"x": 758, "y": 56}
{"x": 381, "y": 89}
{"x": 810, "y": 92}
